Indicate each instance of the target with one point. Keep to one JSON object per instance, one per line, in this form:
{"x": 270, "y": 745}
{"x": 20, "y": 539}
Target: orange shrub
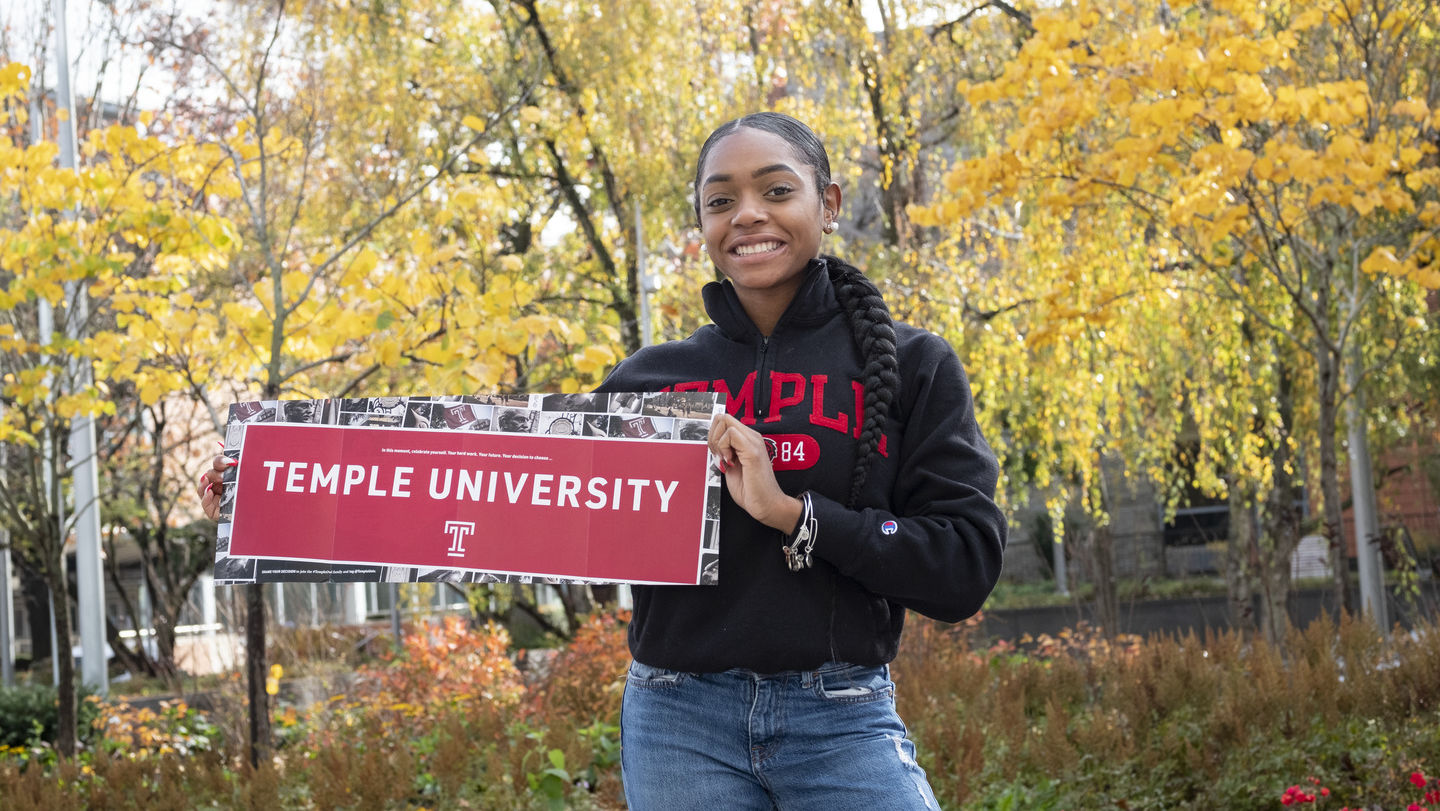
{"x": 445, "y": 665}
{"x": 586, "y": 679}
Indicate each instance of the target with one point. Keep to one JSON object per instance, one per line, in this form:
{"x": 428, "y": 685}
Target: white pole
{"x": 1363, "y": 507}
{"x": 90, "y": 582}
{"x": 54, "y": 641}
{"x": 208, "y": 619}
{"x": 280, "y": 604}
{"x": 7, "y": 596}
{"x": 642, "y": 278}
{"x": 1062, "y": 573}
{"x": 7, "y": 612}
{"x": 622, "y": 593}
{"x": 353, "y": 600}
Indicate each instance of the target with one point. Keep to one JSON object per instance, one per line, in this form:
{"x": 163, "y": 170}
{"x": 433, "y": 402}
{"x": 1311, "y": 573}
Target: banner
{"x": 555, "y": 488}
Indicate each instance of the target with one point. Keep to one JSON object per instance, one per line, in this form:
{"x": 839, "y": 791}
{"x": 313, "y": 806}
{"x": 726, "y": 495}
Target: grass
{"x": 1009, "y": 596}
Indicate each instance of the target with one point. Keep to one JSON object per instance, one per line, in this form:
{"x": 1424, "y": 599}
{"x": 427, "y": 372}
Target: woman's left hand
{"x": 745, "y": 461}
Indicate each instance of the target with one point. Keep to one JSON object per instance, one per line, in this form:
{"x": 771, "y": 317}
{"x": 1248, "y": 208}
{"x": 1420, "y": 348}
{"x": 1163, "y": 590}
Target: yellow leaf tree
{"x": 89, "y": 259}
{"x": 1282, "y": 158}
{"x": 362, "y": 265}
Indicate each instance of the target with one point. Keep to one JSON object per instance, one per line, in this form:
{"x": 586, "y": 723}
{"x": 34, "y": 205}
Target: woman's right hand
{"x": 212, "y": 485}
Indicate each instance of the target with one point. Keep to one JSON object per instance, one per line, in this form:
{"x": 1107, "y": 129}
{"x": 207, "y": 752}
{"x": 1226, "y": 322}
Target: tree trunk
{"x": 1275, "y": 609}
{"x": 164, "y": 622}
{"x": 576, "y": 601}
{"x": 1276, "y": 524}
{"x": 605, "y": 595}
{"x": 1330, "y": 478}
{"x": 133, "y": 660}
{"x": 1279, "y": 536}
{"x": 37, "y": 606}
{"x": 259, "y": 700}
{"x": 1239, "y": 565}
{"x": 65, "y": 730}
{"x": 1101, "y": 546}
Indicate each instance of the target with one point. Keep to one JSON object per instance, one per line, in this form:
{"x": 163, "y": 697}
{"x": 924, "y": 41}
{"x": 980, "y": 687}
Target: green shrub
{"x": 30, "y": 713}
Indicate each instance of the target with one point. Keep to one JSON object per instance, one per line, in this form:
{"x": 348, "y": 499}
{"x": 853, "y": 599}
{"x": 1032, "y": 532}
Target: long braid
{"x": 874, "y": 333}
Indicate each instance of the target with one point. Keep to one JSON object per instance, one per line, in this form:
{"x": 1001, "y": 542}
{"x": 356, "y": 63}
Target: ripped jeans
{"x": 823, "y": 739}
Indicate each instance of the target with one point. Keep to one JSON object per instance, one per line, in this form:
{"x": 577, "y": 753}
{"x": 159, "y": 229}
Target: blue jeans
{"x": 823, "y": 739}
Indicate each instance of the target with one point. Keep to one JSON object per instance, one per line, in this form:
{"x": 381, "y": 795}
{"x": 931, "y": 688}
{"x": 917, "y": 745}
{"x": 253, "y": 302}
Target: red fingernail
{"x": 231, "y": 462}
{"x": 208, "y": 486}
{"x": 221, "y": 444}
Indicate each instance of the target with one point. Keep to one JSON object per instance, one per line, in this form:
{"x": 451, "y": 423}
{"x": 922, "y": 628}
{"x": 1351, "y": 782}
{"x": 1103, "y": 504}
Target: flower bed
{"x": 1339, "y": 719}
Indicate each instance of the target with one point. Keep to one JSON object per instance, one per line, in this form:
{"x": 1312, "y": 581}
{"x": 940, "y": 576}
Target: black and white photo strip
{"x": 680, "y": 416}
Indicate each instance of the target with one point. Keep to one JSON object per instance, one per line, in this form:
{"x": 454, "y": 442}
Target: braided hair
{"x": 874, "y": 333}
{"x": 870, "y": 321}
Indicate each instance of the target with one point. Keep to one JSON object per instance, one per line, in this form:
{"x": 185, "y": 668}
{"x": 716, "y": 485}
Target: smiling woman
{"x": 769, "y": 686}
{"x": 770, "y": 689}
{"x": 763, "y": 219}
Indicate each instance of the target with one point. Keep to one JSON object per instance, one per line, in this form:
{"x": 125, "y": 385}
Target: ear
{"x": 830, "y": 200}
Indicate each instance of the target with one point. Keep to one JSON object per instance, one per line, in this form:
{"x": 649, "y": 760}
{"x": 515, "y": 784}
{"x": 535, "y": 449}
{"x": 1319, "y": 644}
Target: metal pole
{"x": 208, "y": 616}
{"x": 1362, "y": 498}
{"x": 644, "y": 280}
{"x": 280, "y": 604}
{"x": 7, "y": 596}
{"x": 353, "y": 601}
{"x": 54, "y": 642}
{"x": 395, "y": 614}
{"x": 90, "y": 582}
{"x": 622, "y": 592}
{"x": 7, "y": 605}
{"x": 1062, "y": 574}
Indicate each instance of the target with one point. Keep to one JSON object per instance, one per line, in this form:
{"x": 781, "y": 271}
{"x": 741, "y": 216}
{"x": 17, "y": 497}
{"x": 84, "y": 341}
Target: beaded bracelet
{"x": 795, "y": 557}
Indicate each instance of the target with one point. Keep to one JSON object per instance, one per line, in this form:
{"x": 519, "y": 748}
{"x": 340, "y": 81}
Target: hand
{"x": 745, "y": 461}
{"x": 212, "y": 485}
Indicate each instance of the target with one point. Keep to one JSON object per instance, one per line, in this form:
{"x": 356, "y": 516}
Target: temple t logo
{"x": 458, "y": 530}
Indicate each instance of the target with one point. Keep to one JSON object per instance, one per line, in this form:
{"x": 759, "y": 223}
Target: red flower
{"x": 1418, "y": 779}
{"x": 1294, "y": 795}
{"x": 1414, "y": 807}
{"x": 1324, "y": 792}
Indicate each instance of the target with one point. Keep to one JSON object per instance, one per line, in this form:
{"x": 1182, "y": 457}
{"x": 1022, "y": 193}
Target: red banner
{"x": 571, "y": 507}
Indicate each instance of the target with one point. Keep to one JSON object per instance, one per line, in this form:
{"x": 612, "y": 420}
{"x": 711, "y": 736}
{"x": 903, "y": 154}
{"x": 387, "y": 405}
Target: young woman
{"x": 858, "y": 485}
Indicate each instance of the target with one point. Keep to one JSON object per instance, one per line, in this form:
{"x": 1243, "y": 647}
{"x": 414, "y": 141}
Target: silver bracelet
{"x": 796, "y": 557}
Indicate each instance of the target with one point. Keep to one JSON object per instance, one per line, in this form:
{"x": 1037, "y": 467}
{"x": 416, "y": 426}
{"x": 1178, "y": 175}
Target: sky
{"x": 98, "y": 52}
{"x": 95, "y": 43}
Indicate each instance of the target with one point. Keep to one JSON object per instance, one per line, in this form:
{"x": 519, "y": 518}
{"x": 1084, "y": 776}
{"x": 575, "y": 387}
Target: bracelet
{"x": 795, "y": 557}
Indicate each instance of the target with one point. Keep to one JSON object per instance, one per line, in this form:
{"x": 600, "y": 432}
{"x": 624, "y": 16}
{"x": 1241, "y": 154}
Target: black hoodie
{"x": 926, "y": 533}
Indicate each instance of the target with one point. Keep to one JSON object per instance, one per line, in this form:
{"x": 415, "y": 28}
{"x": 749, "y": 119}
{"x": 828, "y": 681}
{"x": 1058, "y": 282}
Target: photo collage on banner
{"x": 679, "y": 416}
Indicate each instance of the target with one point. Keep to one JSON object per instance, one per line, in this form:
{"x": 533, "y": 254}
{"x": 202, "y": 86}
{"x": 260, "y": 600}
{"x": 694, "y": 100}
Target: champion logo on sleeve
{"x": 889, "y": 528}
